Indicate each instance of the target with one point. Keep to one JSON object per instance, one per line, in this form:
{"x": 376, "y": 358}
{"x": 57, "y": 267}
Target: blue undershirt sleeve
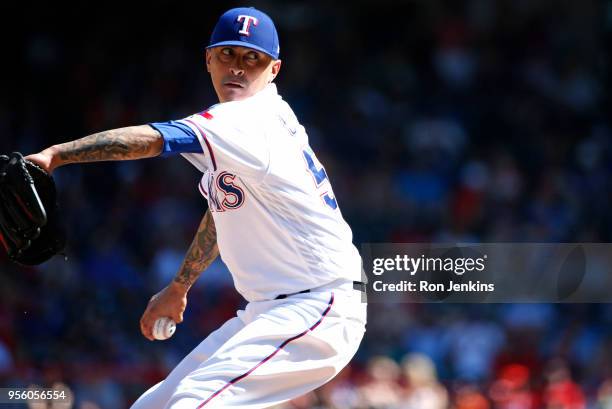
{"x": 178, "y": 138}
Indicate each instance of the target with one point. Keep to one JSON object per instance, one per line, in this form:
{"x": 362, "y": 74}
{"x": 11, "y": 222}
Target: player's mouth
{"x": 234, "y": 84}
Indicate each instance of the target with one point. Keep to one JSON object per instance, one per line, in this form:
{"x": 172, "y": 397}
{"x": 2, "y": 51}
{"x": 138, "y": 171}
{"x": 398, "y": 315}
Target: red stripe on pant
{"x": 266, "y": 359}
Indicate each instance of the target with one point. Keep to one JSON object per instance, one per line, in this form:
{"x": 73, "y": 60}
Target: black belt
{"x": 357, "y": 285}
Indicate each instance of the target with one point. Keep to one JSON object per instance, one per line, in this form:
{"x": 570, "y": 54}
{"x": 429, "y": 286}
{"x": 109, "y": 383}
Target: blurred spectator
{"x": 469, "y": 397}
{"x": 382, "y": 390}
{"x": 604, "y": 395}
{"x": 561, "y": 391}
{"x": 512, "y": 389}
{"x": 474, "y": 344}
{"x": 423, "y": 390}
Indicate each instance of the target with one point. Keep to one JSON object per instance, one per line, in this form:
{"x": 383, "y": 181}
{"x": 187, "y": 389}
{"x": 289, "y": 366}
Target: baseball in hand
{"x": 163, "y": 328}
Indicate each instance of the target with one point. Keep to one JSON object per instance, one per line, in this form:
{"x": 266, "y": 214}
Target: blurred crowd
{"x": 446, "y": 121}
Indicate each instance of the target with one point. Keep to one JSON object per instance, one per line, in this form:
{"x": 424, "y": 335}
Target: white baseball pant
{"x": 271, "y": 352}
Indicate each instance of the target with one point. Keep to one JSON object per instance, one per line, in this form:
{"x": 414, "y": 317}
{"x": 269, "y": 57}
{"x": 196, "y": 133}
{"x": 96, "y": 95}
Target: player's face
{"x": 239, "y": 72}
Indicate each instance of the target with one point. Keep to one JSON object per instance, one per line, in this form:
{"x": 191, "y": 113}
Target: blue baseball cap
{"x": 246, "y": 27}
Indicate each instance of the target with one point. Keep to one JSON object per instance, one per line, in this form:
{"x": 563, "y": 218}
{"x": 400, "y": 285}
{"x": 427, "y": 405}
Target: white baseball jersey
{"x": 279, "y": 227}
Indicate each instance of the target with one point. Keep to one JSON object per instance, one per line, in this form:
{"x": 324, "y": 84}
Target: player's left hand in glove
{"x": 29, "y": 228}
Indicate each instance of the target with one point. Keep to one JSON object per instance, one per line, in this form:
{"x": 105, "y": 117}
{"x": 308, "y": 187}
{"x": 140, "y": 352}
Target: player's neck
{"x": 242, "y": 97}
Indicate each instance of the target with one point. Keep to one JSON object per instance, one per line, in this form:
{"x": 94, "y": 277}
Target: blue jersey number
{"x": 320, "y": 176}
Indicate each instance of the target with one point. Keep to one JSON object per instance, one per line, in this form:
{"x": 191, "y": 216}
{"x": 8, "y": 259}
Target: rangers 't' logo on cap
{"x": 246, "y": 24}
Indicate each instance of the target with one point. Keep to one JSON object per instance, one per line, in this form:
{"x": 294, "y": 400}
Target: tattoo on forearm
{"x": 133, "y": 142}
{"x": 201, "y": 253}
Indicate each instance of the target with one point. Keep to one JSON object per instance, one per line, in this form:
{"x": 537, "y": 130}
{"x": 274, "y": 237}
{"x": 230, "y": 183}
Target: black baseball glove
{"x": 29, "y": 228}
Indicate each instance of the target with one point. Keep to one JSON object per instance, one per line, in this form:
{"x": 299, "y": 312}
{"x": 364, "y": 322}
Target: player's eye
{"x": 226, "y": 51}
{"x": 252, "y": 56}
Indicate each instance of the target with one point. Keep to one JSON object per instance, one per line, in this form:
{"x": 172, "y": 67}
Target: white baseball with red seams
{"x": 163, "y": 328}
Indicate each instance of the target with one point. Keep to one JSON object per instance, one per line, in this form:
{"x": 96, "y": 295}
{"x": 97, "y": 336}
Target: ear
{"x": 276, "y": 66}
{"x": 208, "y": 56}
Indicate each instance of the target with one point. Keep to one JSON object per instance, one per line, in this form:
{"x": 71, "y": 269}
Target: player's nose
{"x": 238, "y": 72}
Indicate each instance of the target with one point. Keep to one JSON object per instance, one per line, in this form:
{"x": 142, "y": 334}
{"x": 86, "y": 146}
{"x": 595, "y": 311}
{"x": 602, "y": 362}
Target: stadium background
{"x": 470, "y": 120}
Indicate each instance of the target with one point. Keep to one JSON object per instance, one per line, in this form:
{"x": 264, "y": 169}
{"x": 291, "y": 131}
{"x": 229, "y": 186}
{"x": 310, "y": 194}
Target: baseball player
{"x": 273, "y": 218}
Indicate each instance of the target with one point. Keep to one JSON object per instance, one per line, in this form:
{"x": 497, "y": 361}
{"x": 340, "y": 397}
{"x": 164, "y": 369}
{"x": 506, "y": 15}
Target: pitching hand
{"x": 169, "y": 302}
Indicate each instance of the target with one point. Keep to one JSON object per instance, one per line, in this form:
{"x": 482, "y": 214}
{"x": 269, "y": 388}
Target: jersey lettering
{"x": 213, "y": 200}
{"x": 320, "y": 177}
{"x": 329, "y": 200}
{"x": 234, "y": 196}
{"x": 223, "y": 192}
{"x": 319, "y": 174}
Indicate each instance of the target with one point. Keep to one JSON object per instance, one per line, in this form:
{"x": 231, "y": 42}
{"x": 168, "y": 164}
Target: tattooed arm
{"x": 134, "y": 142}
{"x": 202, "y": 252}
{"x": 172, "y": 300}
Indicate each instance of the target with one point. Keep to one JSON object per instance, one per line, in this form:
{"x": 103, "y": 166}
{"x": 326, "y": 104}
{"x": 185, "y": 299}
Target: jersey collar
{"x": 269, "y": 91}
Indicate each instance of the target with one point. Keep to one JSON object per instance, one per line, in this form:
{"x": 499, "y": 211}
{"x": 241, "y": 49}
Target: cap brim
{"x": 243, "y": 44}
